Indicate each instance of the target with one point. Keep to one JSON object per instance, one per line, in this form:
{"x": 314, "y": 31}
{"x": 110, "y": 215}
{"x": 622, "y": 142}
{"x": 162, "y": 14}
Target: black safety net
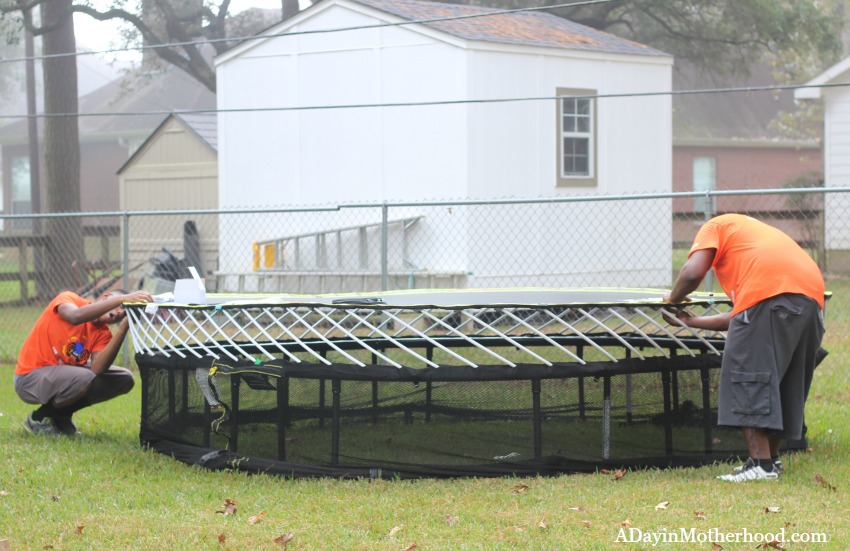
{"x": 345, "y": 420}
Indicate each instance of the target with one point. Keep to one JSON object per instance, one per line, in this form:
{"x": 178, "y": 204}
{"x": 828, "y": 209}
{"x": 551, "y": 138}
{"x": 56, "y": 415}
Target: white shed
{"x": 427, "y": 119}
{"x": 836, "y": 169}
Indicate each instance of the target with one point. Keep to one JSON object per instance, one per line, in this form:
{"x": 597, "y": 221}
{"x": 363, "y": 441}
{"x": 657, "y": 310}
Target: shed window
{"x": 577, "y": 136}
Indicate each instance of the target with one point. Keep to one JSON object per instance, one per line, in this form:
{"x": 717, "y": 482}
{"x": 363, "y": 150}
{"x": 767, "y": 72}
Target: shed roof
{"x": 535, "y": 28}
{"x": 203, "y": 125}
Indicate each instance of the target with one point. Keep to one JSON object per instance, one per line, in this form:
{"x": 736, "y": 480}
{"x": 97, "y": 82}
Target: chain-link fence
{"x": 622, "y": 241}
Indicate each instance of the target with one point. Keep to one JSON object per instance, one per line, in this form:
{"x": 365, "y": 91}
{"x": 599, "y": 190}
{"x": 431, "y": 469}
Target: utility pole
{"x": 34, "y": 156}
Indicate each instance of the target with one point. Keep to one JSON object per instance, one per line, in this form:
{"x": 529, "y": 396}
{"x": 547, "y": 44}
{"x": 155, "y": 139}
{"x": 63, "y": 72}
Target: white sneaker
{"x": 777, "y": 466}
{"x": 750, "y": 471}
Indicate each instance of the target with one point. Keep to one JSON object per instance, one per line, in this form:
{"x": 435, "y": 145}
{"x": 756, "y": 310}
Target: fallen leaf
{"x": 55, "y": 498}
{"x": 410, "y": 547}
{"x": 662, "y": 506}
{"x": 450, "y": 520}
{"x": 519, "y": 488}
{"x": 395, "y": 530}
{"x": 776, "y": 544}
{"x": 773, "y": 509}
{"x": 586, "y": 523}
{"x": 618, "y": 474}
{"x": 283, "y": 539}
{"x": 543, "y": 525}
{"x": 604, "y": 471}
{"x": 256, "y": 518}
{"x": 579, "y": 509}
{"x": 221, "y": 538}
{"x": 824, "y": 484}
{"x": 699, "y": 514}
{"x": 79, "y": 529}
{"x": 229, "y": 507}
{"x": 626, "y": 523}
{"x": 3, "y": 493}
{"x": 716, "y": 546}
{"x": 519, "y": 529}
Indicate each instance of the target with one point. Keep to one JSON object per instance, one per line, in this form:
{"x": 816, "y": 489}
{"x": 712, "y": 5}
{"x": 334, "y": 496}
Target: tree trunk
{"x": 61, "y": 146}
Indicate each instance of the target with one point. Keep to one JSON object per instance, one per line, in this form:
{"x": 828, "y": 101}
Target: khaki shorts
{"x": 64, "y": 383}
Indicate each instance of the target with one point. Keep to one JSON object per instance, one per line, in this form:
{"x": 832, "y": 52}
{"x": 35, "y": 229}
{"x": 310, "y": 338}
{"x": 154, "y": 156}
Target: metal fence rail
{"x": 613, "y": 241}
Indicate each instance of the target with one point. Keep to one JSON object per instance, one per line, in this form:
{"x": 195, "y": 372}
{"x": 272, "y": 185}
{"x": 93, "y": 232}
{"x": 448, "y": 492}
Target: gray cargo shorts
{"x": 768, "y": 362}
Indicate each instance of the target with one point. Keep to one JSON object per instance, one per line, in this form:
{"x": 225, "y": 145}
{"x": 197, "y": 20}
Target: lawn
{"x": 102, "y": 491}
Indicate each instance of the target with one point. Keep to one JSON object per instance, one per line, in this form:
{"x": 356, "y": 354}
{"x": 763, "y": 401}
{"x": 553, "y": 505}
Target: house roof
{"x": 533, "y": 28}
{"x": 829, "y": 76}
{"x": 728, "y": 118}
{"x": 121, "y": 105}
{"x": 203, "y": 125}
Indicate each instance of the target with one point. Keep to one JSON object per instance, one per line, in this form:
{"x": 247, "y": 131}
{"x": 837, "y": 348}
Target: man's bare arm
{"x": 75, "y": 315}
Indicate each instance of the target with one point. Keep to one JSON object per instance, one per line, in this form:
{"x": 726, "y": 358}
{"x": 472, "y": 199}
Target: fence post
{"x": 384, "y": 237}
{"x": 125, "y": 281}
{"x": 708, "y": 213}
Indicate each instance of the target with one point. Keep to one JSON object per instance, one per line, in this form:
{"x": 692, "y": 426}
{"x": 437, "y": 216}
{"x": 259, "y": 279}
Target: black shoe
{"x": 45, "y": 426}
{"x": 65, "y": 426}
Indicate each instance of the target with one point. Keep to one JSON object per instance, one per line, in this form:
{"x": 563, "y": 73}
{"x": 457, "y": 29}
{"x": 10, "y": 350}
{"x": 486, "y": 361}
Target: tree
{"x": 191, "y": 23}
{"x": 61, "y": 133}
{"x": 725, "y": 36}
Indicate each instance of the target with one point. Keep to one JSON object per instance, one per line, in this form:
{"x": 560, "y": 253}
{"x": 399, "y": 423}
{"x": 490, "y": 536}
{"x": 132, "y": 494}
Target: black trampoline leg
{"x": 706, "y": 410}
{"x": 538, "y": 429}
{"x": 606, "y": 417}
{"x": 282, "y": 416}
{"x": 336, "y": 390}
{"x": 234, "y": 413}
{"x": 321, "y": 402}
{"x": 668, "y": 413}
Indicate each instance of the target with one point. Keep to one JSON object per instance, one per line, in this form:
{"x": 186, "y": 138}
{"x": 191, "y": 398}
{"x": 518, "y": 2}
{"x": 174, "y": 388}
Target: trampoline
{"x": 431, "y": 383}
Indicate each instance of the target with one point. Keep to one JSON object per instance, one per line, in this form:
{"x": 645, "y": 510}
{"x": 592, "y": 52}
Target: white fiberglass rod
{"x": 510, "y": 340}
{"x": 582, "y": 335}
{"x": 392, "y": 340}
{"x": 641, "y": 333}
{"x": 546, "y": 337}
{"x": 353, "y": 337}
{"x": 292, "y": 336}
{"x": 329, "y": 342}
{"x": 623, "y": 341}
{"x": 471, "y": 341}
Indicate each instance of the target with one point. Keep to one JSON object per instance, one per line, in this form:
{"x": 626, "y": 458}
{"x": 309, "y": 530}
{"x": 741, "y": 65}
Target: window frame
{"x": 592, "y": 178}
{"x": 708, "y": 182}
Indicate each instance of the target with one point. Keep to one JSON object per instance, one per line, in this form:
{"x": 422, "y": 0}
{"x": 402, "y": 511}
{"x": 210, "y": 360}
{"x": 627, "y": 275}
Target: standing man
{"x": 775, "y": 331}
{"x": 65, "y": 363}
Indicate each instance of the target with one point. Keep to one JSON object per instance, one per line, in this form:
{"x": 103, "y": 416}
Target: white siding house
{"x": 836, "y": 167}
{"x": 457, "y": 141}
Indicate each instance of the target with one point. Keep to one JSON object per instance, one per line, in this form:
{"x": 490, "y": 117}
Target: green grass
{"x": 130, "y": 498}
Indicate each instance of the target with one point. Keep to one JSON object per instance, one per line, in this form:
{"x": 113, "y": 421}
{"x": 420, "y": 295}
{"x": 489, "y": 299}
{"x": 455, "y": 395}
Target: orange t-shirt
{"x": 54, "y": 341}
{"x": 755, "y": 261}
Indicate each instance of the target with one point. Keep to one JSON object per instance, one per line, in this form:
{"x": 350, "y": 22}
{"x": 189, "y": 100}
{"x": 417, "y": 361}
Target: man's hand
{"x": 137, "y": 296}
{"x": 668, "y": 298}
{"x": 677, "y": 316}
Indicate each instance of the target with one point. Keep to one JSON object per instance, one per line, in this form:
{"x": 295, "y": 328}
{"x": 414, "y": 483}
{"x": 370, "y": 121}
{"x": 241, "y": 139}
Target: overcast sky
{"x": 96, "y": 35}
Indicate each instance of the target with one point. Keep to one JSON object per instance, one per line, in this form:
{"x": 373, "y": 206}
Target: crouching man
{"x": 65, "y": 363}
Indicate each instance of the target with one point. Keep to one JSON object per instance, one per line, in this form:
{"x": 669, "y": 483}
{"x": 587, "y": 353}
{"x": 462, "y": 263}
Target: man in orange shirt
{"x": 775, "y": 329}
{"x": 66, "y": 362}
